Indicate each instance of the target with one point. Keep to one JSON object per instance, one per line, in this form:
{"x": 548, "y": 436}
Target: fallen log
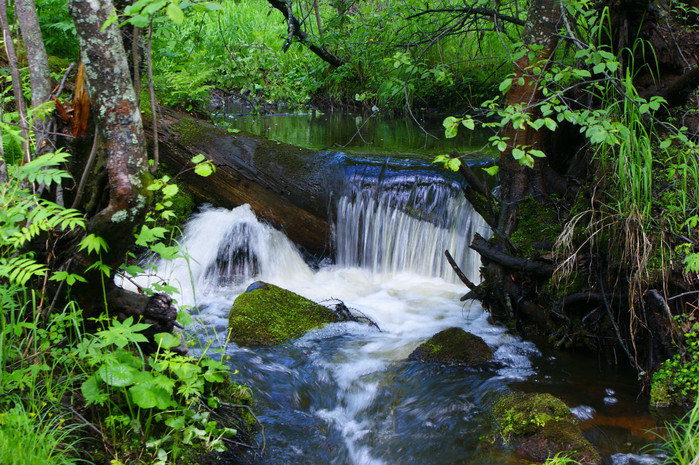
{"x": 489, "y": 252}
{"x": 286, "y": 186}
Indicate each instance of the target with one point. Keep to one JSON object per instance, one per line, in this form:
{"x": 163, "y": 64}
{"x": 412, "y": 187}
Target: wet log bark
{"x": 286, "y": 186}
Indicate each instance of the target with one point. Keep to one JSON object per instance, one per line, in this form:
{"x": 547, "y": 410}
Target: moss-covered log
{"x": 285, "y": 185}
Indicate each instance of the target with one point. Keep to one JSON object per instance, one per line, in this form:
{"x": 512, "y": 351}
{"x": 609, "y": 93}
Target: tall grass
{"x": 28, "y": 437}
{"x": 681, "y": 440}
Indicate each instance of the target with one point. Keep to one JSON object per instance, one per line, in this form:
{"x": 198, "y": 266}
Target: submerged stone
{"x": 266, "y": 314}
{"x": 453, "y": 346}
{"x": 539, "y": 426}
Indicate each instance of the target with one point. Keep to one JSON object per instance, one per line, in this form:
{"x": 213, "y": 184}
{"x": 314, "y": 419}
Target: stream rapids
{"x": 346, "y": 394}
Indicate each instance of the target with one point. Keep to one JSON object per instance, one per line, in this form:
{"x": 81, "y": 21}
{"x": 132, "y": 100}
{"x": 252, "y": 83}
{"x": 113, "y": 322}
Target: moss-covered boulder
{"x": 539, "y": 426}
{"x": 266, "y": 314}
{"x": 453, "y": 346}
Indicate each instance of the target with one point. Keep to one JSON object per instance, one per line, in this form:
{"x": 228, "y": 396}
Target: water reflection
{"x": 367, "y": 133}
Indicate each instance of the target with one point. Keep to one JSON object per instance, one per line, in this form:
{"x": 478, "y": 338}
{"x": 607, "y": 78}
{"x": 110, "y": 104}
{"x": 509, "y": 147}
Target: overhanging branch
{"x": 294, "y": 28}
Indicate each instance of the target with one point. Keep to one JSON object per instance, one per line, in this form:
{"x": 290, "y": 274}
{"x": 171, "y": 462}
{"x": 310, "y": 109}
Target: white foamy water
{"x": 353, "y": 364}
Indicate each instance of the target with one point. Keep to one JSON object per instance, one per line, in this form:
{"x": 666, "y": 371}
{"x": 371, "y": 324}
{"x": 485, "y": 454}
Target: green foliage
{"x": 57, "y": 29}
{"x": 160, "y": 399}
{"x": 561, "y": 458}
{"x": 24, "y": 217}
{"x": 678, "y": 378}
{"x": 238, "y": 45}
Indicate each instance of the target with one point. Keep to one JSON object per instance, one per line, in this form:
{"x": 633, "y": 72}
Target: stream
{"x": 346, "y": 394}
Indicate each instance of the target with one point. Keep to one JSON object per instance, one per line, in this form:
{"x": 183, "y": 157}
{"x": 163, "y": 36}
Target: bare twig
{"x": 151, "y": 95}
{"x": 86, "y": 170}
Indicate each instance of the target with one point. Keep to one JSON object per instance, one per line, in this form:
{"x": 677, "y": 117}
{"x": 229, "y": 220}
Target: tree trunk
{"x": 504, "y": 299}
{"x": 16, "y": 80}
{"x": 121, "y": 145}
{"x": 39, "y": 76}
{"x": 36, "y": 53}
{"x": 517, "y": 180}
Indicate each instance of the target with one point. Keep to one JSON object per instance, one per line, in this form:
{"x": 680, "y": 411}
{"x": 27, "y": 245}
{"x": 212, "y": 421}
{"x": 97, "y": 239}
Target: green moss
{"x": 453, "y": 346}
{"x": 536, "y": 222}
{"x": 540, "y": 426}
{"x": 146, "y": 113}
{"x": 266, "y": 314}
{"x": 523, "y": 414}
{"x": 58, "y": 65}
{"x": 193, "y": 134}
{"x": 661, "y": 392}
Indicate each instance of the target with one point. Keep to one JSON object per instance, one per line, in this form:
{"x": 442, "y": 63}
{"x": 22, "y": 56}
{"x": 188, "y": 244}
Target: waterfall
{"x": 225, "y": 249}
{"x": 405, "y": 223}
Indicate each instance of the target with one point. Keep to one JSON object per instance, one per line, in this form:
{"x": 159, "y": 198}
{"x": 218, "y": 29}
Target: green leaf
{"x": 175, "y": 13}
{"x": 492, "y": 170}
{"x": 517, "y": 154}
{"x": 537, "y": 153}
{"x": 450, "y": 132}
{"x": 204, "y": 169}
{"x": 166, "y": 340}
{"x": 665, "y": 144}
{"x": 176, "y": 423}
{"x": 139, "y": 21}
{"x": 112, "y": 18}
{"x": 117, "y": 374}
{"x": 454, "y": 164}
{"x": 184, "y": 318}
{"x": 198, "y": 158}
{"x": 527, "y": 161}
{"x": 450, "y": 121}
{"x": 469, "y": 124}
{"x": 505, "y": 85}
{"x": 213, "y": 6}
{"x": 91, "y": 391}
{"x": 170, "y": 190}
{"x": 146, "y": 394}
{"x": 134, "y": 270}
{"x": 93, "y": 244}
{"x": 502, "y": 145}
{"x": 551, "y": 125}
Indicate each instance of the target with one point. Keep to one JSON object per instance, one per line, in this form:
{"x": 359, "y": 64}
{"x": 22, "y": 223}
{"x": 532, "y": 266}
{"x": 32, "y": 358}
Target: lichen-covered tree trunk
{"x": 121, "y": 141}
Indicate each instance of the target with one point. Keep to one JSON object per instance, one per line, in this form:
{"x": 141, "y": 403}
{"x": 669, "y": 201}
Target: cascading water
{"x": 404, "y": 223}
{"x": 346, "y": 394}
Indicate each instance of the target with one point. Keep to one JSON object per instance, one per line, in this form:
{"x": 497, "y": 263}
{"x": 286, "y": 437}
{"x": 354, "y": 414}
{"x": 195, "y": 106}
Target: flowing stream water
{"x": 347, "y": 393}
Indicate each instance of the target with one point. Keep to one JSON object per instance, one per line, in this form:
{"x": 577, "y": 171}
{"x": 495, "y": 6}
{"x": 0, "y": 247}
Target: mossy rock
{"x": 266, "y": 314}
{"x": 453, "y": 346}
{"x": 538, "y": 426}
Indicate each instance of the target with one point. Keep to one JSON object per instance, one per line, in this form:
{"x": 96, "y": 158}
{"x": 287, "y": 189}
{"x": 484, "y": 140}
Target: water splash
{"x": 225, "y": 249}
